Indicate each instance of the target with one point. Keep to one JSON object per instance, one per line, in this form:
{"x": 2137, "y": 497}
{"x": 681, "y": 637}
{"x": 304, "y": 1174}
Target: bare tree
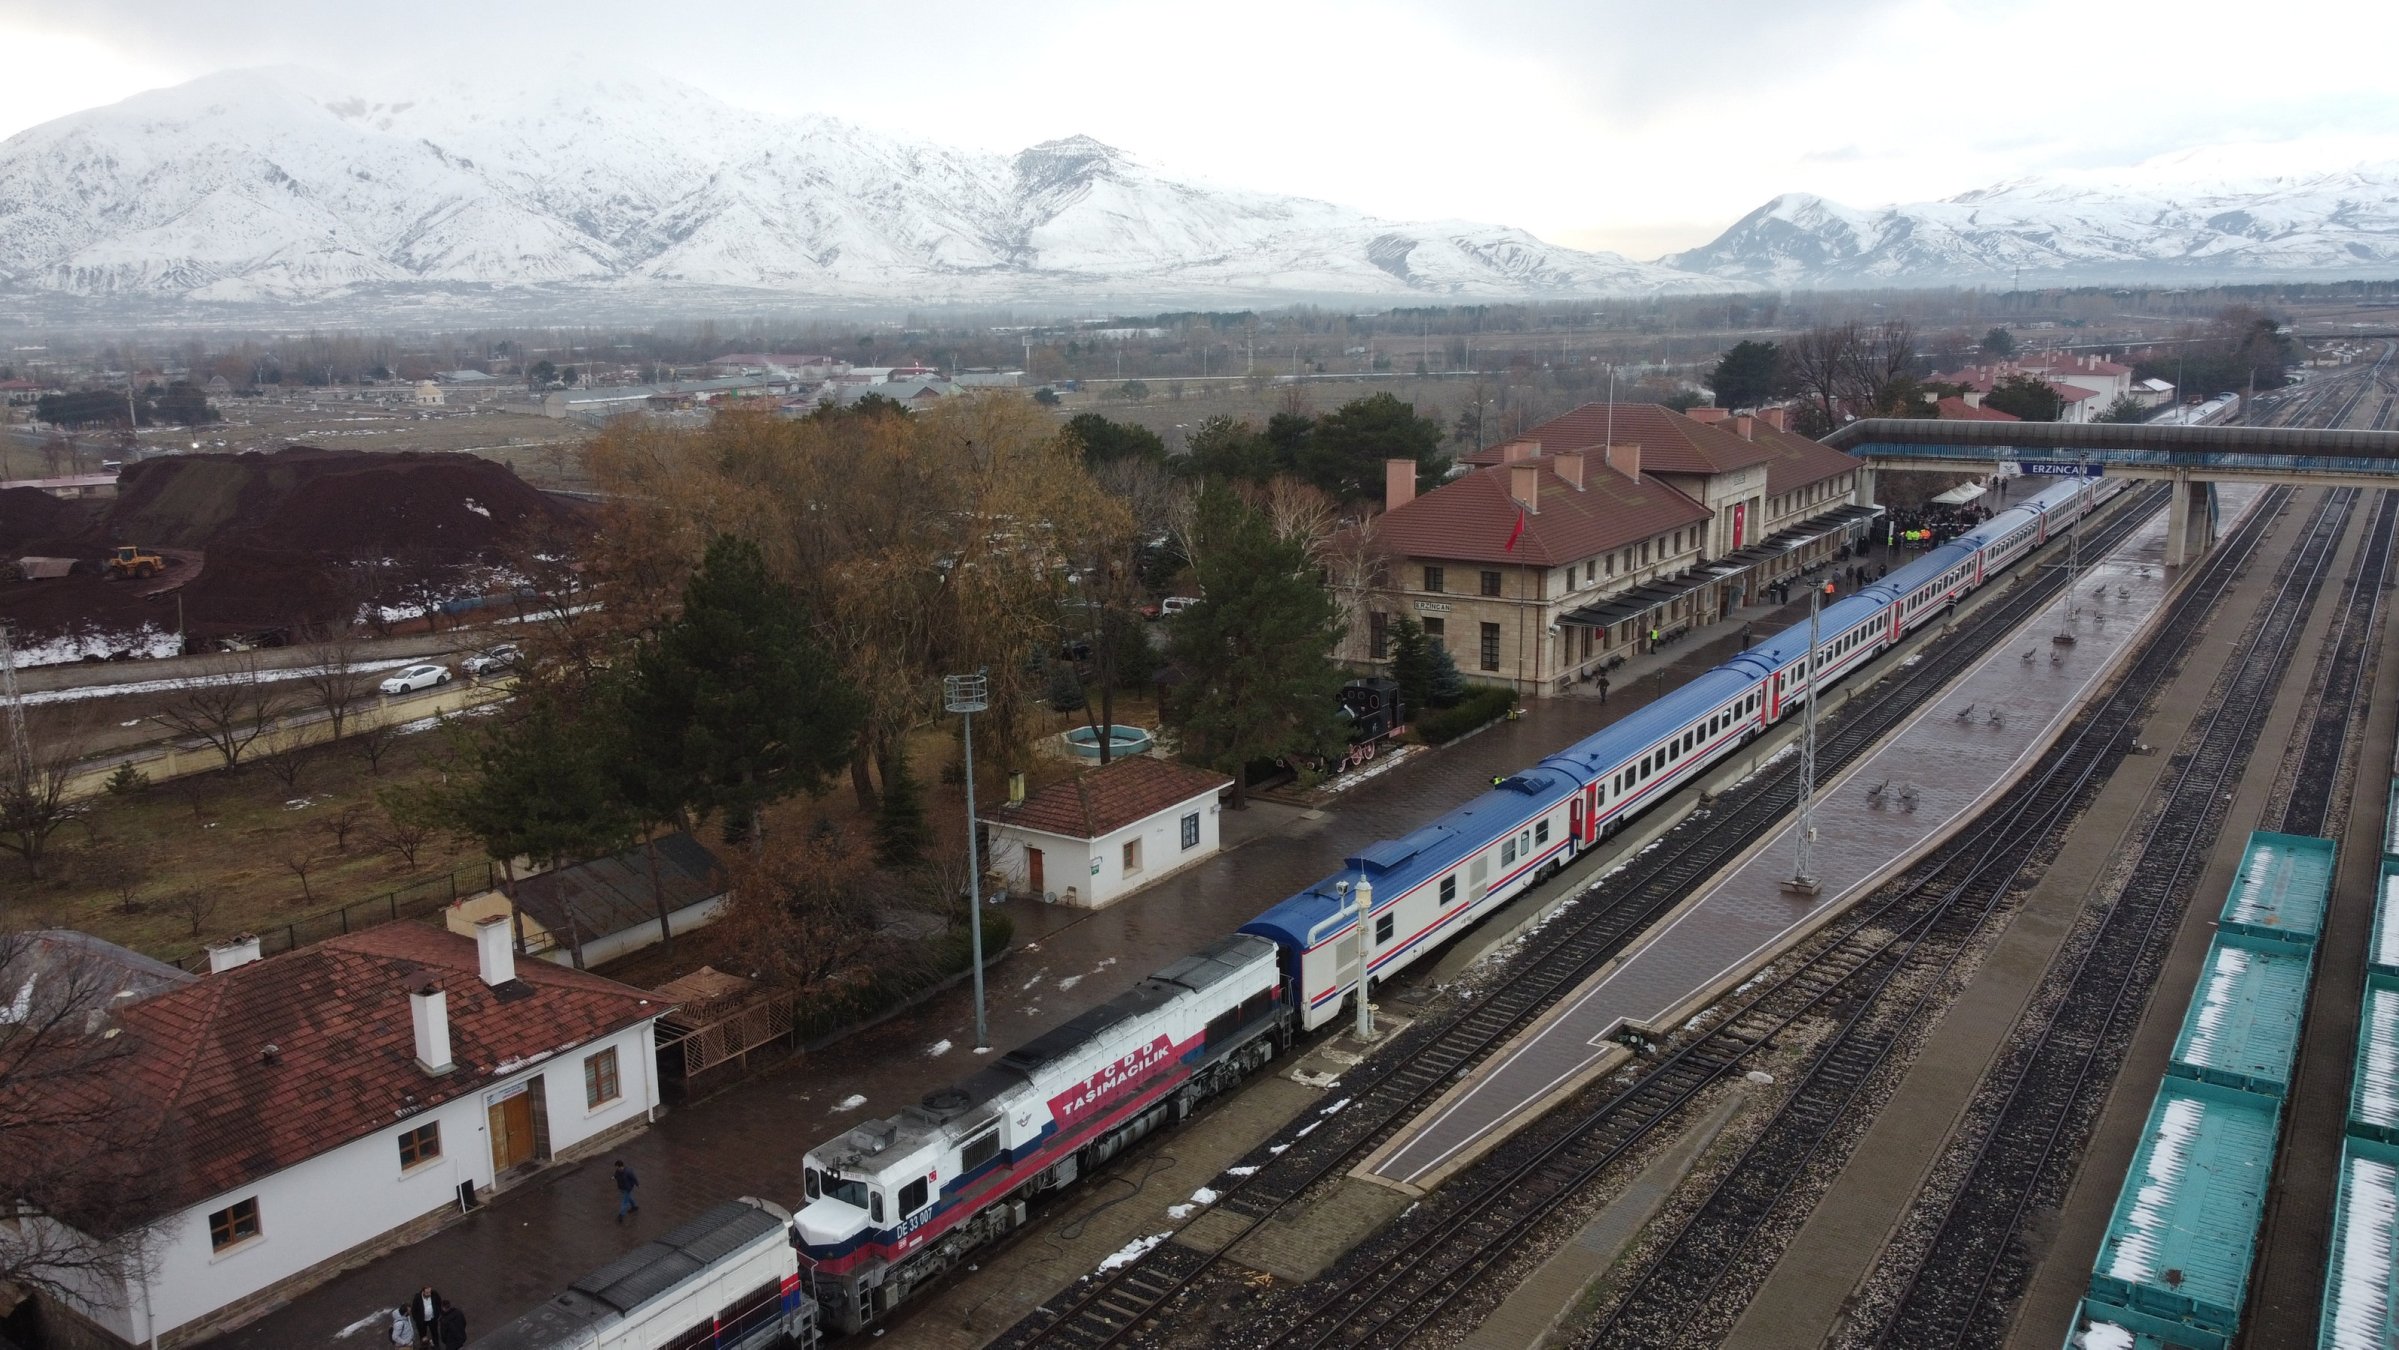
{"x": 195, "y": 905}
{"x": 1822, "y": 363}
{"x": 80, "y": 1166}
{"x": 123, "y": 868}
{"x": 403, "y": 834}
{"x": 336, "y": 686}
{"x": 300, "y": 858}
{"x": 342, "y": 822}
{"x": 375, "y": 740}
{"x": 33, "y": 795}
{"x": 282, "y": 758}
{"x": 228, "y": 708}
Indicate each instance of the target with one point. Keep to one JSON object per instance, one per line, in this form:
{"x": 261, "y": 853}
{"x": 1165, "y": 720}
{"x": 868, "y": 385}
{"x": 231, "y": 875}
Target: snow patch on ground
{"x": 90, "y": 644}
{"x": 851, "y": 1102}
{"x": 478, "y": 508}
{"x": 1069, "y": 982}
{"x": 937, "y": 1049}
{"x": 1241, "y": 1171}
{"x": 381, "y": 1317}
{"x": 1130, "y": 1252}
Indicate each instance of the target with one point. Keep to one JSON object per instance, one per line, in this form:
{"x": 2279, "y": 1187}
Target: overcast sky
{"x": 1636, "y": 125}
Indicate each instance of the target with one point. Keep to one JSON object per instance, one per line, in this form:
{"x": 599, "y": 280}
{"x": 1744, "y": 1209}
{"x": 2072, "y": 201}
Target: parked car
{"x": 506, "y": 656}
{"x": 1176, "y": 604}
{"x": 414, "y": 678}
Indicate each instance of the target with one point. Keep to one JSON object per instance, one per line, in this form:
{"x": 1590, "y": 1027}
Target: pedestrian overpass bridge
{"x": 2192, "y": 458}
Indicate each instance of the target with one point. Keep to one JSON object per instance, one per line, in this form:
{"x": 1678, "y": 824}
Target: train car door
{"x": 1590, "y": 833}
{"x": 1774, "y": 698}
{"x": 1980, "y": 555}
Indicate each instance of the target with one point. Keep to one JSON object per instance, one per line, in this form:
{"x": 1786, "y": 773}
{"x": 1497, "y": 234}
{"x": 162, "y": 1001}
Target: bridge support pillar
{"x": 2190, "y": 521}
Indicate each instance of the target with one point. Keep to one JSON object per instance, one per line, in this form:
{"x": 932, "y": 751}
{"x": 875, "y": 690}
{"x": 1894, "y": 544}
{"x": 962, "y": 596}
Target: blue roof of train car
{"x": 2374, "y": 1082}
{"x": 2178, "y": 1248}
{"x": 2361, "y": 1272}
{"x": 2242, "y": 1030}
{"x": 1396, "y": 865}
{"x": 1635, "y": 732}
{"x": 2281, "y": 888}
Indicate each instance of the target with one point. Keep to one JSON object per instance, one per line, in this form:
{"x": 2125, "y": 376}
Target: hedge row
{"x": 1480, "y": 707}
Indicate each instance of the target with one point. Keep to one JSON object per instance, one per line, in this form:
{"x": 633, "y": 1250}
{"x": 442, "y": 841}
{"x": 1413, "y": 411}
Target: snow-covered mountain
{"x": 286, "y": 185}
{"x": 2175, "y": 219}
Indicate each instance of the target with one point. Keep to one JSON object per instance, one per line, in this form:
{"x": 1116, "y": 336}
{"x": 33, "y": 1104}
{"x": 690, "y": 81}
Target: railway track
{"x": 1391, "y": 1087}
{"x": 2334, "y": 719}
{"x": 1959, "y": 1286}
{"x": 1888, "y": 941}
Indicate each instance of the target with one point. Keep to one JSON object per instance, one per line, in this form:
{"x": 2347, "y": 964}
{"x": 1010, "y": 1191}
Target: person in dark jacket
{"x": 625, "y": 1182}
{"x": 425, "y": 1311}
{"x": 453, "y": 1328}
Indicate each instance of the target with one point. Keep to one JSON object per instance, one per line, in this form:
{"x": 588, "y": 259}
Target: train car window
{"x": 1507, "y": 851}
{"x": 874, "y": 1208}
{"x": 1524, "y": 841}
{"x": 1449, "y": 889}
{"x": 912, "y": 1197}
{"x": 1541, "y": 831}
{"x": 979, "y": 1148}
{"x": 1382, "y": 930}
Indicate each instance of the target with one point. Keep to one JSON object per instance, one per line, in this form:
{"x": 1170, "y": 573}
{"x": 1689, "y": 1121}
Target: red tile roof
{"x": 1471, "y": 519}
{"x": 345, "y": 1066}
{"x": 1103, "y": 800}
{"x": 1956, "y": 409}
{"x": 1669, "y": 441}
{"x": 2073, "y": 393}
{"x": 1798, "y": 461}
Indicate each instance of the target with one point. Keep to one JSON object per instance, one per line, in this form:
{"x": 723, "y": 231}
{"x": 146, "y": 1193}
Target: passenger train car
{"x": 893, "y": 1203}
{"x": 1433, "y": 883}
{"x": 727, "y": 1280}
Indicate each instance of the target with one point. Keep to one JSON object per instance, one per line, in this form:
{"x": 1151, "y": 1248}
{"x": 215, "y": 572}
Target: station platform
{"x": 1892, "y": 806}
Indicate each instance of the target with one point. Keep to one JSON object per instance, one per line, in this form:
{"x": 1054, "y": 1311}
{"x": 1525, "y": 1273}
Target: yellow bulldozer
{"x": 132, "y": 562}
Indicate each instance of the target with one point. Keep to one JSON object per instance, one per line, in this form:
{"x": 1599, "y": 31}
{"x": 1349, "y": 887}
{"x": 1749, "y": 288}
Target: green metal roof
{"x": 2281, "y": 888}
{"x": 2242, "y": 1029}
{"x": 2176, "y": 1258}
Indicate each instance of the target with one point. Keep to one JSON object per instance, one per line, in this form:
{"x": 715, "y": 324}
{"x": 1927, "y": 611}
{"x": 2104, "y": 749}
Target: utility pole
{"x": 1802, "y": 880}
{"x": 967, "y": 695}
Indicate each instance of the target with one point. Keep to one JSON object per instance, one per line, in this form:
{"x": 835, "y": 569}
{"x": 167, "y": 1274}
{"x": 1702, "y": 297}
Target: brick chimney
{"x": 1399, "y": 483}
{"x": 1745, "y": 427}
{"x": 1516, "y": 450}
{"x": 495, "y": 950}
{"x": 1626, "y": 460}
{"x": 1777, "y": 418}
{"x": 429, "y": 1013}
{"x": 240, "y": 950}
{"x": 1709, "y": 416}
{"x": 1524, "y": 484}
{"x": 1569, "y": 467}
{"x": 1974, "y": 398}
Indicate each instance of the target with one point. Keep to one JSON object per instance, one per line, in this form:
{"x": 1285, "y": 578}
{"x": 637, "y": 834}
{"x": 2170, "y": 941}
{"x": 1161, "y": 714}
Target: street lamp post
{"x": 1361, "y": 900}
{"x": 967, "y": 695}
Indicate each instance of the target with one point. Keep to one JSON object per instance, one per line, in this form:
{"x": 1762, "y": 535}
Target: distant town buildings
{"x": 2089, "y": 385}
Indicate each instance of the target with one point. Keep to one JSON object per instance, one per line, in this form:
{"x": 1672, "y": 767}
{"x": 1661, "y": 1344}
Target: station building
{"x": 1561, "y": 550}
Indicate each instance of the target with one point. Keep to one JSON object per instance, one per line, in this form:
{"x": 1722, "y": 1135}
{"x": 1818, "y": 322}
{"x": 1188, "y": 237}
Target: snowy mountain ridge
{"x": 286, "y": 185}
{"x": 2214, "y": 213}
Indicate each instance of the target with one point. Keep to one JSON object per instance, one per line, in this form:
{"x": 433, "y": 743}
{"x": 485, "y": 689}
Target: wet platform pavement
{"x": 1901, "y": 799}
{"x": 529, "y": 1242}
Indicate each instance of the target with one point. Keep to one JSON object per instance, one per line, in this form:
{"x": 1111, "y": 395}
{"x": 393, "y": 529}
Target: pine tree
{"x": 1412, "y": 667}
{"x": 900, "y": 829}
{"x": 1448, "y": 685}
{"x": 1259, "y": 653}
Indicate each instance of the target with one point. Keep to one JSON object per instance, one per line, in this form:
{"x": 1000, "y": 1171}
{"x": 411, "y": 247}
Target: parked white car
{"x": 414, "y": 678}
{"x": 492, "y": 660}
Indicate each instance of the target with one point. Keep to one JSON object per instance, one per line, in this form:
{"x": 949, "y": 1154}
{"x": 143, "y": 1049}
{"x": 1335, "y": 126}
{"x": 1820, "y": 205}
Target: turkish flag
{"x": 1517, "y": 533}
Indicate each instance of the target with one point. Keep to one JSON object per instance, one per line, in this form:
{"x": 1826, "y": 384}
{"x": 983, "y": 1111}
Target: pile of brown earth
{"x": 286, "y": 536}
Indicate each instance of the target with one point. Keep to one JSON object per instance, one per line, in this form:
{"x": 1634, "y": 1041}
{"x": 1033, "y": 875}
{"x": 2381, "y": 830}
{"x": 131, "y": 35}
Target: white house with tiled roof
{"x": 1567, "y": 546}
{"x": 316, "y": 1107}
{"x": 1098, "y": 837}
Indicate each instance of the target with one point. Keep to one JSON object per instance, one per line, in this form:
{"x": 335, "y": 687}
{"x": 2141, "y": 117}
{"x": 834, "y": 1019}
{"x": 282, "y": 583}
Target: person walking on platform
{"x": 625, "y": 1182}
{"x": 1603, "y": 691}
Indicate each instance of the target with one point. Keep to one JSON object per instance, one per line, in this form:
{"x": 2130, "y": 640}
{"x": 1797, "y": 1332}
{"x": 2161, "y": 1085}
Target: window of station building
{"x": 1433, "y": 579}
{"x": 1378, "y": 635}
{"x": 420, "y": 1145}
{"x": 1490, "y": 582}
{"x": 1449, "y": 889}
{"x": 1382, "y": 929}
{"x": 1645, "y": 552}
{"x": 1490, "y": 652}
{"x": 912, "y": 1197}
{"x": 1590, "y": 571}
{"x": 600, "y": 1085}
{"x": 1132, "y": 855}
{"x": 235, "y": 1223}
{"x": 1437, "y": 630}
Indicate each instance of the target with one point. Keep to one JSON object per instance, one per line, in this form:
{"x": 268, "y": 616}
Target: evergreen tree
{"x": 733, "y": 704}
{"x": 1344, "y": 453}
{"x": 1448, "y": 683}
{"x": 540, "y": 784}
{"x": 1104, "y": 441}
{"x": 2027, "y": 397}
{"x": 1412, "y": 667}
{"x": 1065, "y": 687}
{"x": 1745, "y": 375}
{"x": 1999, "y": 342}
{"x": 901, "y": 833}
{"x": 1259, "y": 653}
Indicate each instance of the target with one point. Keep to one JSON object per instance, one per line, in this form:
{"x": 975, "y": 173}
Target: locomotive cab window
{"x": 874, "y": 1205}
{"x": 849, "y": 1191}
{"x": 912, "y": 1197}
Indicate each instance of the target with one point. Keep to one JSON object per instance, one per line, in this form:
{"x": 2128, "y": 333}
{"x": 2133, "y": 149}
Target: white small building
{"x": 1105, "y": 833}
{"x": 591, "y": 913}
{"x": 319, "y": 1107}
{"x": 427, "y": 394}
